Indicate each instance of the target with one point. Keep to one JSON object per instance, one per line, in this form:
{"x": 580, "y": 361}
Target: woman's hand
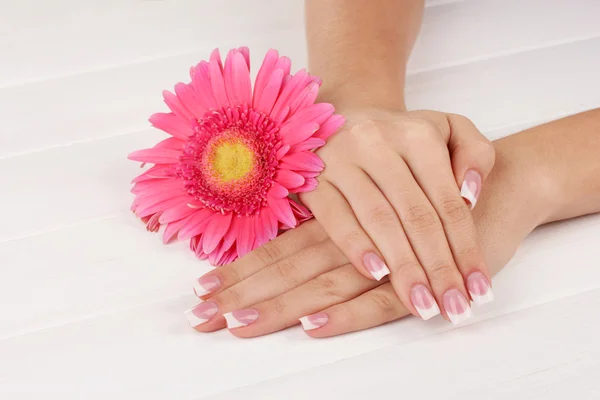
{"x": 302, "y": 274}
{"x": 389, "y": 198}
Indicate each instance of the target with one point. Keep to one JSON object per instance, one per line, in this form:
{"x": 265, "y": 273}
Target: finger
{"x": 433, "y": 174}
{"x": 284, "y": 311}
{"x": 380, "y": 220}
{"x": 336, "y": 216}
{"x": 472, "y": 156}
{"x": 373, "y": 308}
{"x": 307, "y": 234}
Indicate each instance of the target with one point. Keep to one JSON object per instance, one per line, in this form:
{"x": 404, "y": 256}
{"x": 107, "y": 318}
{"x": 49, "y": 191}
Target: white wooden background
{"x": 91, "y": 305}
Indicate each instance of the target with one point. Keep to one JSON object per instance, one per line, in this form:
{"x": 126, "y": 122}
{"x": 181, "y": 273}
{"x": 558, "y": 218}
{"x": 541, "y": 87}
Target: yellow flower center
{"x": 232, "y": 161}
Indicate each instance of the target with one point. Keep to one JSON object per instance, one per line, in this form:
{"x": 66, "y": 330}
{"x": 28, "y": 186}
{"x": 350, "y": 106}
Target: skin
{"x": 390, "y": 191}
{"x": 544, "y": 174}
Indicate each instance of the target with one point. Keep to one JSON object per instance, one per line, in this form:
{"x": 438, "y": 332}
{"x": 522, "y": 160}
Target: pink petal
{"x": 196, "y": 224}
{"x": 300, "y": 212}
{"x": 318, "y": 113}
{"x": 310, "y": 185}
{"x": 173, "y": 102}
{"x": 264, "y": 73}
{"x": 282, "y": 211}
{"x": 292, "y": 134}
{"x": 282, "y": 151}
{"x": 176, "y": 213}
{"x": 172, "y": 125}
{"x": 173, "y": 228}
{"x": 289, "y": 179}
{"x": 217, "y": 82}
{"x": 292, "y": 88}
{"x": 309, "y": 174}
{"x": 330, "y": 126}
{"x": 155, "y": 172}
{"x": 230, "y": 256}
{"x": 284, "y": 64}
{"x": 277, "y": 191}
{"x": 148, "y": 209}
{"x": 202, "y": 86}
{"x": 232, "y": 233}
{"x": 216, "y": 229}
{"x": 304, "y": 161}
{"x": 187, "y": 97}
{"x": 270, "y": 92}
{"x": 245, "y": 239}
{"x": 237, "y": 79}
{"x": 306, "y": 98}
{"x": 156, "y": 156}
{"x": 157, "y": 185}
{"x": 170, "y": 143}
{"x": 246, "y": 54}
{"x": 269, "y": 223}
{"x": 309, "y": 144}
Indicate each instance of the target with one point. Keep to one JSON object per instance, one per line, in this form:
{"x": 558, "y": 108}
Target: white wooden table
{"x": 91, "y": 305}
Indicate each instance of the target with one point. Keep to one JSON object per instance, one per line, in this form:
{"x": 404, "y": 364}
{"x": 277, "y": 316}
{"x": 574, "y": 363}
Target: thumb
{"x": 472, "y": 156}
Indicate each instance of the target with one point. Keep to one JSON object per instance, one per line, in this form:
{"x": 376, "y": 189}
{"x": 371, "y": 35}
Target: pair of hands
{"x": 388, "y": 193}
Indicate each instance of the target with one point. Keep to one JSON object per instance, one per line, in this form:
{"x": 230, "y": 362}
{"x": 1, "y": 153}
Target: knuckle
{"x": 453, "y": 210}
{"x": 284, "y": 271}
{"x": 404, "y": 267}
{"x": 352, "y": 238}
{"x": 384, "y": 302}
{"x": 441, "y": 271}
{"x": 277, "y": 305}
{"x": 381, "y": 215}
{"x": 231, "y": 297}
{"x": 328, "y": 287}
{"x": 268, "y": 254}
{"x": 470, "y": 252}
{"x": 421, "y": 217}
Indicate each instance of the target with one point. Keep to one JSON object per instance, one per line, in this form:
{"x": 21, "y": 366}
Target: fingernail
{"x": 239, "y": 318}
{"x": 479, "y": 288}
{"x": 456, "y": 306}
{"x": 206, "y": 285}
{"x": 471, "y": 187}
{"x": 202, "y": 313}
{"x": 375, "y": 266}
{"x": 314, "y": 321}
{"x": 424, "y": 302}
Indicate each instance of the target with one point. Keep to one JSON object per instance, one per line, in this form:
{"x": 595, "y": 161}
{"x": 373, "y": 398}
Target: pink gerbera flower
{"x": 223, "y": 179}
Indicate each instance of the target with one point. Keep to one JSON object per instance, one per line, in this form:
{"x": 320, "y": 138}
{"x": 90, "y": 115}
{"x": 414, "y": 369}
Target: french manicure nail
{"x": 314, "y": 321}
{"x": 456, "y": 306}
{"x": 471, "y": 187}
{"x": 206, "y": 285}
{"x": 479, "y": 288}
{"x": 375, "y": 266}
{"x": 239, "y": 318}
{"x": 424, "y": 302}
{"x": 202, "y": 313}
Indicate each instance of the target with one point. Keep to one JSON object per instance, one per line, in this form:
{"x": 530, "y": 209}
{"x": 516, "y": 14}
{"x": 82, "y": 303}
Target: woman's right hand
{"x": 302, "y": 274}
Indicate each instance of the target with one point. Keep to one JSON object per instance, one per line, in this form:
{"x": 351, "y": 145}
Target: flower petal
{"x": 173, "y": 102}
{"x": 307, "y": 145}
{"x": 330, "y": 126}
{"x": 277, "y": 191}
{"x": 172, "y": 125}
{"x": 237, "y": 79}
{"x": 282, "y": 211}
{"x": 289, "y": 179}
{"x": 264, "y": 73}
{"x": 270, "y": 92}
{"x": 292, "y": 88}
{"x": 155, "y": 172}
{"x": 149, "y": 209}
{"x": 216, "y": 229}
{"x": 245, "y": 240}
{"x": 156, "y": 156}
{"x": 306, "y": 98}
{"x": 173, "y": 228}
{"x": 269, "y": 223}
{"x": 176, "y": 213}
{"x": 187, "y": 97}
{"x": 319, "y": 113}
{"x": 292, "y": 134}
{"x": 170, "y": 143}
{"x": 202, "y": 87}
{"x": 217, "y": 83}
{"x": 304, "y": 161}
{"x": 282, "y": 151}
{"x": 196, "y": 224}
{"x": 310, "y": 185}
{"x": 246, "y": 54}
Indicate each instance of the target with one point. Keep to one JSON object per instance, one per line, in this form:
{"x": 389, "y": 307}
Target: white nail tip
{"x": 428, "y": 313}
{"x": 379, "y": 274}
{"x": 466, "y": 193}
{"x": 194, "y": 320}
{"x": 233, "y": 322}
{"x": 458, "y": 319}
{"x": 480, "y": 300}
{"x": 307, "y": 325}
{"x": 199, "y": 290}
